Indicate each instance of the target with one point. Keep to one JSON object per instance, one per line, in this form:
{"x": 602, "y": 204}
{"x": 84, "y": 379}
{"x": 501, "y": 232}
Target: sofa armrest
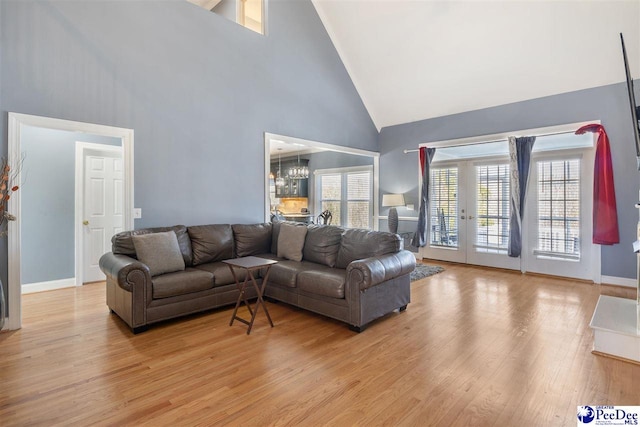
{"x": 126, "y": 271}
{"x": 372, "y": 271}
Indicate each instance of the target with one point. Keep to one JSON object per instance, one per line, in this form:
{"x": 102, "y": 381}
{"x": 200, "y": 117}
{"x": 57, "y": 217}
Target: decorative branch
{"x": 8, "y": 177}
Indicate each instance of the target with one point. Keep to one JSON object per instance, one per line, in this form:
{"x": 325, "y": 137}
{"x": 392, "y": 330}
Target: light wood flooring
{"x": 475, "y": 347}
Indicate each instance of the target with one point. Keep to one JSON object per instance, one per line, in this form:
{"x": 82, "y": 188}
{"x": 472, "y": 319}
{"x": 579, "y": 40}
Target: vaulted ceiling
{"x": 417, "y": 59}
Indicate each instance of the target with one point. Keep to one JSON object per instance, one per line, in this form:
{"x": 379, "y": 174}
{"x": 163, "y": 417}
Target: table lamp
{"x": 393, "y": 200}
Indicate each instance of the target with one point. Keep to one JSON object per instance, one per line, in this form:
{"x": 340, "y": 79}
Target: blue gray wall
{"x": 198, "y": 90}
{"x": 48, "y": 202}
{"x": 399, "y": 171}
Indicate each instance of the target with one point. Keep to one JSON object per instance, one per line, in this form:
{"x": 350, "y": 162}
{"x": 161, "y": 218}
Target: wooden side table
{"x": 250, "y": 264}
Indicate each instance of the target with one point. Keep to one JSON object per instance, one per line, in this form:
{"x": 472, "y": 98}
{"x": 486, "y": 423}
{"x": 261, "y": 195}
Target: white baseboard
{"x": 48, "y": 286}
{"x": 620, "y": 281}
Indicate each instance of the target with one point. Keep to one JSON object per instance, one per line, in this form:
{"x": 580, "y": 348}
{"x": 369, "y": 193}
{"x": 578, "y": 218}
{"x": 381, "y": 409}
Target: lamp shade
{"x": 392, "y": 200}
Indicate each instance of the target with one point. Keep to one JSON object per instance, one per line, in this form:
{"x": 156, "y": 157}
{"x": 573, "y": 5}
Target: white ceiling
{"x": 416, "y": 59}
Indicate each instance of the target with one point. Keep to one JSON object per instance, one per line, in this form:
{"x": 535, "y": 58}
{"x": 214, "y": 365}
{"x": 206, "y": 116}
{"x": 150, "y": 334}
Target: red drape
{"x": 605, "y": 213}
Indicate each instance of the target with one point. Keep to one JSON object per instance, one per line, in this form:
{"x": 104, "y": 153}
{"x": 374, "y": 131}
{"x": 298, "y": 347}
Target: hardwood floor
{"x": 475, "y": 347}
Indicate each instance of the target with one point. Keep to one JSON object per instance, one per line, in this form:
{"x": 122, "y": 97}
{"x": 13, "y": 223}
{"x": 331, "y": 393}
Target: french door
{"x": 469, "y": 213}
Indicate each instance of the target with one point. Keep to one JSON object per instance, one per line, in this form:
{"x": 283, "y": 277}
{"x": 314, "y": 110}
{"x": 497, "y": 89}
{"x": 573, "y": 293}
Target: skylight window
{"x": 248, "y": 13}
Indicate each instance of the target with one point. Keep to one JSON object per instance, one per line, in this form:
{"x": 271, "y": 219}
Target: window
{"x": 331, "y": 195}
{"x": 348, "y": 194}
{"x": 250, "y": 14}
{"x": 358, "y": 199}
{"x": 444, "y": 206}
{"x": 559, "y": 208}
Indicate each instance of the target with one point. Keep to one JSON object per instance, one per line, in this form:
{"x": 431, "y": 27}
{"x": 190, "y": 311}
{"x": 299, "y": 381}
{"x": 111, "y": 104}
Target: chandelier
{"x": 298, "y": 172}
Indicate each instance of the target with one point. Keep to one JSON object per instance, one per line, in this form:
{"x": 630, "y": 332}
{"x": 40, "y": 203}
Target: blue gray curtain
{"x": 519, "y": 162}
{"x": 420, "y": 236}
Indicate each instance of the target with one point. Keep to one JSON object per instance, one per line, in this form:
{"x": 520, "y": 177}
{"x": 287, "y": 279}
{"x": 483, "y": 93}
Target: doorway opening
{"x": 19, "y": 127}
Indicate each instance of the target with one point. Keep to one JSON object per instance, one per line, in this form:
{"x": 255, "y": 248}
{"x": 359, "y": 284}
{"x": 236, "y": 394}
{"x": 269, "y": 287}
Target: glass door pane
{"x": 488, "y": 222}
{"x": 492, "y": 208}
{"x": 446, "y": 208}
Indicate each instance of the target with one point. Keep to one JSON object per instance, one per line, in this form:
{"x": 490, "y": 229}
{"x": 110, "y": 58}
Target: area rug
{"x": 423, "y": 271}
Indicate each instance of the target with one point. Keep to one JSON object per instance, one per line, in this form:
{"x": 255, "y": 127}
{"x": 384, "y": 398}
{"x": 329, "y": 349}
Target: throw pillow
{"x": 122, "y": 244}
{"x": 159, "y": 251}
{"x": 291, "y": 241}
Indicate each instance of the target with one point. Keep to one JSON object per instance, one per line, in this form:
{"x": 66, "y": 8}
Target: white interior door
{"x": 103, "y": 207}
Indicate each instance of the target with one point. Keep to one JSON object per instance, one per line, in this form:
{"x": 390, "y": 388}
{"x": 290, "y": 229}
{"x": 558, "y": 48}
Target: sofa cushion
{"x": 360, "y": 244}
{"x": 327, "y": 281}
{"x": 121, "y": 243}
{"x": 159, "y": 251}
{"x": 251, "y": 239}
{"x": 322, "y": 244}
{"x": 222, "y": 274}
{"x": 284, "y": 273}
{"x": 291, "y": 241}
{"x": 211, "y": 243}
{"x": 180, "y": 283}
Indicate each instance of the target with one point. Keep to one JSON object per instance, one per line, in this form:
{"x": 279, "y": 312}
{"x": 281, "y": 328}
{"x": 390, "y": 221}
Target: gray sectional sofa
{"x": 353, "y": 275}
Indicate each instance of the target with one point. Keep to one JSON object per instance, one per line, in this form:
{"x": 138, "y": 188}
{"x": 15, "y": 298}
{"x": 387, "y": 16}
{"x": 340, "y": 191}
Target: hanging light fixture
{"x": 298, "y": 172}
{"x": 279, "y": 178}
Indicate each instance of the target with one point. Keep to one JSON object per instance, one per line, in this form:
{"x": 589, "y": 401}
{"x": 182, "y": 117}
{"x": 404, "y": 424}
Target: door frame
{"x": 81, "y": 149}
{"x": 16, "y": 122}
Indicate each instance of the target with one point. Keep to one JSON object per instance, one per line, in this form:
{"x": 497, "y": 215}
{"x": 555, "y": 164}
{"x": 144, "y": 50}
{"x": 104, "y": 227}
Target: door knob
{"x": 461, "y": 216}
{"x": 470, "y": 217}
{"x": 85, "y": 222}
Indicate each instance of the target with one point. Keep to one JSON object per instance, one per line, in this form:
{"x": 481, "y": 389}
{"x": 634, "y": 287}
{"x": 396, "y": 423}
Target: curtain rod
{"x": 495, "y": 140}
